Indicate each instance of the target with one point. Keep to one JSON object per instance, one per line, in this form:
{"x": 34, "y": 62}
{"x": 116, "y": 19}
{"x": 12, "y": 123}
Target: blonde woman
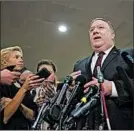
{"x": 7, "y": 76}
{"x": 18, "y": 106}
{"x": 12, "y": 56}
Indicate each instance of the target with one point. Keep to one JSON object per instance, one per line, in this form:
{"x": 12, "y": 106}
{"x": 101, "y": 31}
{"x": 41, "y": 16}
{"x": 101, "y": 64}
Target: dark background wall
{"x": 33, "y": 26}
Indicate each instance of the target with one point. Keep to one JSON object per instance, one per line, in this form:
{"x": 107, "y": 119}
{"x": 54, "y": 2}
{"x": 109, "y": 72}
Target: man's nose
{"x": 95, "y": 31}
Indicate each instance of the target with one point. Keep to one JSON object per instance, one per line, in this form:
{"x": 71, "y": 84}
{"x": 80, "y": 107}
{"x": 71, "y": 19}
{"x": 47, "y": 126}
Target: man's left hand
{"x": 107, "y": 85}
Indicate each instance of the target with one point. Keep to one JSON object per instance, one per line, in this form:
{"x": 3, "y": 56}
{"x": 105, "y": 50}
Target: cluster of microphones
{"x": 61, "y": 112}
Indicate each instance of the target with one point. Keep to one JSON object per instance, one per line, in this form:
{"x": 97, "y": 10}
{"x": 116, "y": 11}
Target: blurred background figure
{"x": 49, "y": 85}
{"x": 48, "y": 88}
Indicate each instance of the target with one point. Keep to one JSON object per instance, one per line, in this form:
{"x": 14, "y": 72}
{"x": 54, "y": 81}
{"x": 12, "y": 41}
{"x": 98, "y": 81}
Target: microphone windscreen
{"x": 82, "y": 79}
{"x": 128, "y": 59}
{"x": 68, "y": 79}
{"x": 124, "y": 54}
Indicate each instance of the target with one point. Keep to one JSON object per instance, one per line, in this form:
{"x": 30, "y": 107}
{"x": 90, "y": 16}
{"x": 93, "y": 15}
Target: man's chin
{"x": 98, "y": 44}
{"x": 98, "y": 48}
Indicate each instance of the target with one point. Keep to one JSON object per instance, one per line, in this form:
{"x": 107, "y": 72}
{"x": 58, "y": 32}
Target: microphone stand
{"x": 40, "y": 116}
{"x": 102, "y": 101}
{"x": 67, "y": 106}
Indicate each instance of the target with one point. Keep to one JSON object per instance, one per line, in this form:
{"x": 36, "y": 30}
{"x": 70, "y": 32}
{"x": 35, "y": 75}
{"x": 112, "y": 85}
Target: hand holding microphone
{"x": 107, "y": 85}
{"x": 74, "y": 75}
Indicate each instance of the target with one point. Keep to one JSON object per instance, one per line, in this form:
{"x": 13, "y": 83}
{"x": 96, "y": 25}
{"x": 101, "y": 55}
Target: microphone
{"x": 76, "y": 93}
{"x": 57, "y": 107}
{"x": 80, "y": 81}
{"x": 41, "y": 115}
{"x": 128, "y": 59}
{"x": 99, "y": 75}
{"x": 84, "y": 109}
{"x": 67, "y": 82}
{"x": 92, "y": 91}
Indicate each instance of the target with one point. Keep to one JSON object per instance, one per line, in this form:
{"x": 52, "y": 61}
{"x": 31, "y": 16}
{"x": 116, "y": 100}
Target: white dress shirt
{"x": 93, "y": 62}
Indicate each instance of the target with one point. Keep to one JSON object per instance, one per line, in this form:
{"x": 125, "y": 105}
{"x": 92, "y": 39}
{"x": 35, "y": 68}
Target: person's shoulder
{"x": 82, "y": 61}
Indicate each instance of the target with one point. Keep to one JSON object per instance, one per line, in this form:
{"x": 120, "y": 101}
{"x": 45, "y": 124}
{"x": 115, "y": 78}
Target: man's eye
{"x": 101, "y": 27}
{"x": 91, "y": 30}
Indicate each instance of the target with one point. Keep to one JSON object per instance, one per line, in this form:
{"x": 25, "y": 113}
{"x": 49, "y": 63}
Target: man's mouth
{"x": 97, "y": 38}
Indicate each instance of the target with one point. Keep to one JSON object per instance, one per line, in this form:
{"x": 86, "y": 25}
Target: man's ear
{"x": 113, "y": 35}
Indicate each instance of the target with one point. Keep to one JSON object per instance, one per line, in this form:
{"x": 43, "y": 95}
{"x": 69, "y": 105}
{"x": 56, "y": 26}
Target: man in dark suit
{"x": 118, "y": 98}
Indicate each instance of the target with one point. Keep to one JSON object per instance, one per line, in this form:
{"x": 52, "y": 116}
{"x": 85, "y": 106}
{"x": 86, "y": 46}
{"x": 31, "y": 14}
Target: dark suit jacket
{"x": 119, "y": 108}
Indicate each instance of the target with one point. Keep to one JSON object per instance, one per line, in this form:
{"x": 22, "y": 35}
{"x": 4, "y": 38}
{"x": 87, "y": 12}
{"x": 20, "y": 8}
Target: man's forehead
{"x": 98, "y": 22}
{"x": 101, "y": 21}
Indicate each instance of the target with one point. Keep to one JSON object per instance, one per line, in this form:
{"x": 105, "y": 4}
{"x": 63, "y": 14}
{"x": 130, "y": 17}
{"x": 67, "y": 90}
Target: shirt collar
{"x": 106, "y": 51}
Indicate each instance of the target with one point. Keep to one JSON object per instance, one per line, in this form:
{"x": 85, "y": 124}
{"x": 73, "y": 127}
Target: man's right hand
{"x": 74, "y": 76}
{"x": 8, "y": 77}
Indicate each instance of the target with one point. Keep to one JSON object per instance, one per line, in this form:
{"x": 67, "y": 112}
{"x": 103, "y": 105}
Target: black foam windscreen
{"x": 82, "y": 79}
{"x": 124, "y": 54}
{"x": 128, "y": 59}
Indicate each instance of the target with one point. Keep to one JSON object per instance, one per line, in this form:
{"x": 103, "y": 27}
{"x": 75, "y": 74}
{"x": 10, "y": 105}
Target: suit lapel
{"x": 113, "y": 53}
{"x": 88, "y": 67}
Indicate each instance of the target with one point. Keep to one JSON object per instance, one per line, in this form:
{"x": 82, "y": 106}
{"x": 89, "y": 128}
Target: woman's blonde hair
{"x": 5, "y": 53}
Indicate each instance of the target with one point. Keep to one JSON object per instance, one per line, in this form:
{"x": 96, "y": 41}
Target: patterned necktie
{"x": 98, "y": 63}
